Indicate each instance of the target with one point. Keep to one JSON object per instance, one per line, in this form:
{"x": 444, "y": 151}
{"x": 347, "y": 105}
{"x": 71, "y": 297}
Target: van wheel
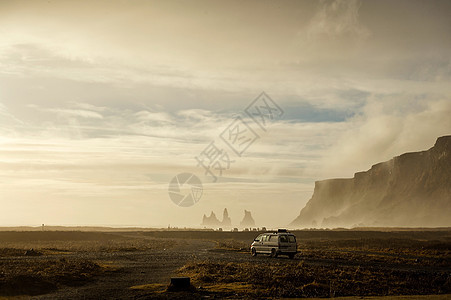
{"x": 273, "y": 252}
{"x": 291, "y": 255}
{"x": 253, "y": 252}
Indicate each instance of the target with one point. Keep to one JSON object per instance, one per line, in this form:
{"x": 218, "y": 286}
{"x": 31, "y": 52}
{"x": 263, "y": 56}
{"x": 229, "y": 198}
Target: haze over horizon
{"x": 102, "y": 103}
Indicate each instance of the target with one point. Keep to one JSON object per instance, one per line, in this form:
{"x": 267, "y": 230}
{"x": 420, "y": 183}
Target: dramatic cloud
{"x": 387, "y": 126}
{"x": 102, "y": 103}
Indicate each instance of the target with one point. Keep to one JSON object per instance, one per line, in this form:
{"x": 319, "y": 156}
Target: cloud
{"x": 154, "y": 117}
{"x": 387, "y": 126}
{"x": 7, "y": 119}
{"x": 90, "y": 107}
{"x": 338, "y": 18}
{"x": 75, "y": 113}
{"x": 196, "y": 114}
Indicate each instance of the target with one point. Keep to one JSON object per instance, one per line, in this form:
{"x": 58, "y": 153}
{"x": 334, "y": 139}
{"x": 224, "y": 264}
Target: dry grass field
{"x": 93, "y": 265}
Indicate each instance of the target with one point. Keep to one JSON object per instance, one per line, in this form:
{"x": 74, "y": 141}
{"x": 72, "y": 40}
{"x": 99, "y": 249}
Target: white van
{"x": 275, "y": 243}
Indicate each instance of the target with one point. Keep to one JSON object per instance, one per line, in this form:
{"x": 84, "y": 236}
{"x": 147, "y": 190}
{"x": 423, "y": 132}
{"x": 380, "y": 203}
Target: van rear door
{"x": 292, "y": 245}
{"x": 284, "y": 244}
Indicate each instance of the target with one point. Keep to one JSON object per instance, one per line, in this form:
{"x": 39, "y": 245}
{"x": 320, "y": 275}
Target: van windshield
{"x": 291, "y": 239}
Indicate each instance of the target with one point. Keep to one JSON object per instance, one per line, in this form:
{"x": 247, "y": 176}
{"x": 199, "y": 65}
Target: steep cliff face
{"x": 213, "y": 221}
{"x": 247, "y": 221}
{"x": 413, "y": 189}
{"x": 226, "y": 220}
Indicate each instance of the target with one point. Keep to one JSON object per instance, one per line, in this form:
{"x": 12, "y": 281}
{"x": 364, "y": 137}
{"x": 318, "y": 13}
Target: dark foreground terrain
{"x": 139, "y": 265}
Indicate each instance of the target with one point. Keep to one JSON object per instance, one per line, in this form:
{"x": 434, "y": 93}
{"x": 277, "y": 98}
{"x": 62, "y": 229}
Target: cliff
{"x": 247, "y": 221}
{"x": 413, "y": 189}
{"x": 212, "y": 220}
{"x": 226, "y": 220}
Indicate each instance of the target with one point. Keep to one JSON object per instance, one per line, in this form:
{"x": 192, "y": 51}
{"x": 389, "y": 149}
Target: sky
{"x": 103, "y": 103}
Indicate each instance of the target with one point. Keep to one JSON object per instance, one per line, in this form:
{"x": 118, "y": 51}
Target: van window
{"x": 258, "y": 238}
{"x": 283, "y": 239}
{"x": 291, "y": 239}
{"x": 271, "y": 238}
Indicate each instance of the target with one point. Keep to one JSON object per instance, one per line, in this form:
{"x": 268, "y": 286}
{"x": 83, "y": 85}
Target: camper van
{"x": 277, "y": 243}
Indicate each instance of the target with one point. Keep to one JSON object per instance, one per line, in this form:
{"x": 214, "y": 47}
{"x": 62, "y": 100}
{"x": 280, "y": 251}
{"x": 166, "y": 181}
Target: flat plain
{"x": 139, "y": 264}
